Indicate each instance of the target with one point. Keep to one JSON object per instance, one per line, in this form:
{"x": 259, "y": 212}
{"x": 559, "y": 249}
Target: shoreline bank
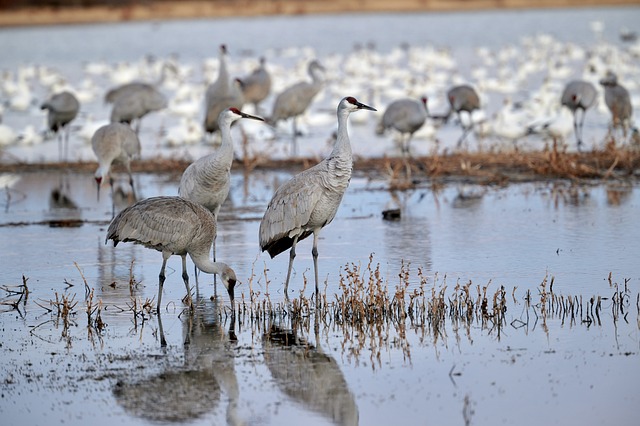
{"x": 194, "y": 9}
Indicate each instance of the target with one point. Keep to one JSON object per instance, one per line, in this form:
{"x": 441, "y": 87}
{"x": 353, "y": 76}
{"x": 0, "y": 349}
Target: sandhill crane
{"x": 136, "y": 103}
{"x": 309, "y": 201}
{"x": 463, "y": 98}
{"x": 619, "y": 102}
{"x": 114, "y": 143}
{"x": 112, "y": 95}
{"x": 578, "y": 95}
{"x": 218, "y": 103}
{"x": 173, "y": 225}
{"x": 294, "y": 100}
{"x": 219, "y": 87}
{"x": 207, "y": 180}
{"x": 257, "y": 85}
{"x": 62, "y": 109}
{"x": 406, "y": 116}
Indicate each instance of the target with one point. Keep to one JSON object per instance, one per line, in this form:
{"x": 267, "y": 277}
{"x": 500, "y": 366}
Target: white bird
{"x": 309, "y": 201}
{"x": 294, "y": 100}
{"x": 62, "y": 109}
{"x": 578, "y": 95}
{"x": 207, "y": 180}
{"x": 406, "y": 116}
{"x": 114, "y": 143}
{"x": 172, "y": 225}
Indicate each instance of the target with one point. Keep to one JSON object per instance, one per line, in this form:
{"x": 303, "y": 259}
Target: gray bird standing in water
{"x": 309, "y": 201}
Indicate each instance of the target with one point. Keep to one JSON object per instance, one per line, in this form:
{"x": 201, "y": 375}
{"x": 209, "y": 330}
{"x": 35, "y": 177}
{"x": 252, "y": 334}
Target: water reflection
{"x": 308, "y": 375}
{"x": 618, "y": 193}
{"x": 192, "y": 390}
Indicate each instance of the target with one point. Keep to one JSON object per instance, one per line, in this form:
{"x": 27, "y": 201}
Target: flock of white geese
{"x": 519, "y": 85}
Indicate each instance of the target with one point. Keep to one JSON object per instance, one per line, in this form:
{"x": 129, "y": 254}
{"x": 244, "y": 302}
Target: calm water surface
{"x": 556, "y": 371}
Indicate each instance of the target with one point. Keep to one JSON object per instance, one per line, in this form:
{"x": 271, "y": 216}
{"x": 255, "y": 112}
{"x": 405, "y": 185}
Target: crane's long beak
{"x": 253, "y": 117}
{"x": 98, "y": 182}
{"x": 230, "y": 290}
{"x": 363, "y": 106}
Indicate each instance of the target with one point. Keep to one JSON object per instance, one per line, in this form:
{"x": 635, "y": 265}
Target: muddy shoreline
{"x": 481, "y": 168}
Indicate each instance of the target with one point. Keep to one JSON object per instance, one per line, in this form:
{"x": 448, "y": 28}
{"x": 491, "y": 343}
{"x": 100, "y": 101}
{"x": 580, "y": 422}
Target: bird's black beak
{"x": 253, "y": 117}
{"x": 231, "y": 290}
{"x": 363, "y": 106}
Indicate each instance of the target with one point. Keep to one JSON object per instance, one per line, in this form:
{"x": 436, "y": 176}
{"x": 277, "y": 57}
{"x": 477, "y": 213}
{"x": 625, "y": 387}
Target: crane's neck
{"x": 204, "y": 263}
{"x": 342, "y": 147}
{"x": 226, "y": 148}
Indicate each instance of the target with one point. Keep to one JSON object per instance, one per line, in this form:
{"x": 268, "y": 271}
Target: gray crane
{"x": 62, "y": 108}
{"x": 207, "y": 180}
{"x": 257, "y": 85}
{"x": 114, "y": 143}
{"x": 406, "y": 116}
{"x": 219, "y": 102}
{"x": 173, "y": 225}
{"x": 618, "y": 100}
{"x": 134, "y": 103}
{"x": 294, "y": 100}
{"x": 463, "y": 98}
{"x": 309, "y": 201}
{"x": 220, "y": 87}
{"x": 578, "y": 95}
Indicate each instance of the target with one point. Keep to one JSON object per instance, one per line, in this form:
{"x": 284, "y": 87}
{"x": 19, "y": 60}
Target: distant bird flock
{"x": 541, "y": 88}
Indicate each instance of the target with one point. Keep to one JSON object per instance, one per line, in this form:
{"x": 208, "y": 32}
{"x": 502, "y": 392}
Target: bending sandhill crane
{"x": 114, "y": 143}
{"x": 406, "y": 116}
{"x": 136, "y": 103}
{"x": 207, "y": 180}
{"x": 219, "y": 103}
{"x": 578, "y": 95}
{"x": 172, "y": 225}
{"x": 619, "y": 102}
{"x": 257, "y": 86}
{"x": 309, "y": 201}
{"x": 463, "y": 98}
{"x": 62, "y": 109}
{"x": 294, "y": 100}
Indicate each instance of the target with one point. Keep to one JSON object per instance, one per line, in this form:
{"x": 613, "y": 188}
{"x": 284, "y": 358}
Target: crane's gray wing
{"x": 162, "y": 223}
{"x": 289, "y": 211}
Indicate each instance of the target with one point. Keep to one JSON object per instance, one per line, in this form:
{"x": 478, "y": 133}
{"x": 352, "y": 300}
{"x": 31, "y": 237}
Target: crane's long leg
{"x": 163, "y": 341}
{"x": 66, "y": 142}
{"x": 185, "y": 277}
{"x": 161, "y": 280}
{"x": 292, "y": 255}
{"x": 465, "y": 132}
{"x": 578, "y": 127}
{"x": 294, "y": 146}
{"x": 314, "y": 253}
{"x": 113, "y": 200}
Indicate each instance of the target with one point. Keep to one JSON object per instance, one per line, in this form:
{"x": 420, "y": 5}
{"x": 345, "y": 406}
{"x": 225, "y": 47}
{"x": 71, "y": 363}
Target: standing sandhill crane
{"x": 62, "y": 109}
{"x": 219, "y": 87}
{"x": 114, "y": 143}
{"x": 207, "y": 180}
{"x": 309, "y": 201}
{"x": 257, "y": 85}
{"x": 294, "y": 100}
{"x": 406, "y": 116}
{"x": 619, "y": 102}
{"x": 463, "y": 98}
{"x": 578, "y": 95}
{"x": 172, "y": 225}
{"x": 218, "y": 103}
{"x": 136, "y": 103}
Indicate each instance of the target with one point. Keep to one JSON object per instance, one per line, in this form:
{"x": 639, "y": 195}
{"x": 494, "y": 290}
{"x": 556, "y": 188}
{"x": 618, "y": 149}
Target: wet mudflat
{"x": 519, "y": 299}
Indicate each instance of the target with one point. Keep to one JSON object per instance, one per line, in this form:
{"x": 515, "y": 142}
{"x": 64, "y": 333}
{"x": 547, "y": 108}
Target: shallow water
{"x": 582, "y": 239}
{"x": 557, "y": 371}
